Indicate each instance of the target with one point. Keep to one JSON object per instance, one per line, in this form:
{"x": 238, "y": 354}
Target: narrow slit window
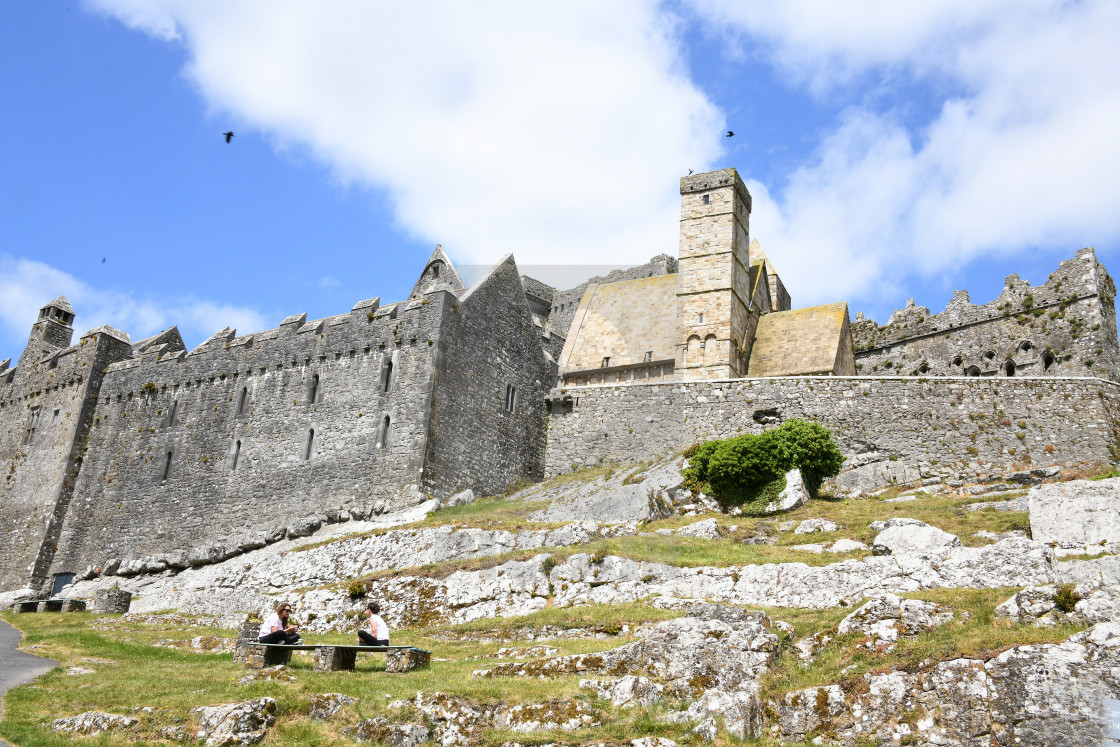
{"x": 166, "y": 468}
{"x": 388, "y": 376}
{"x": 171, "y": 414}
{"x": 243, "y": 401}
{"x": 384, "y": 433}
{"x": 309, "y": 449}
{"x": 649, "y": 356}
{"x": 54, "y": 418}
{"x": 701, "y": 319}
{"x": 606, "y": 361}
{"x": 435, "y": 271}
{"x": 707, "y": 199}
{"x": 236, "y": 456}
{"x": 313, "y": 394}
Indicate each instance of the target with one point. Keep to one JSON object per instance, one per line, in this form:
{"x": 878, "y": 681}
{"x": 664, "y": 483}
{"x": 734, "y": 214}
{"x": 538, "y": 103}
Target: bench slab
{"x": 328, "y": 658}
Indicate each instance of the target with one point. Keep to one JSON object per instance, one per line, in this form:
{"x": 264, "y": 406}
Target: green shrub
{"x": 1066, "y": 598}
{"x": 357, "y": 589}
{"x": 744, "y": 469}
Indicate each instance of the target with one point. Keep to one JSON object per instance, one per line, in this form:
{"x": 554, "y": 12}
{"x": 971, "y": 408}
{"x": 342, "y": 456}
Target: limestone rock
{"x": 812, "y": 547}
{"x": 1015, "y": 504}
{"x": 811, "y": 526}
{"x": 689, "y": 654}
{"x": 913, "y": 538}
{"x": 627, "y": 692}
{"x": 706, "y": 730}
{"x": 1077, "y": 513}
{"x": 846, "y": 545}
{"x": 652, "y": 742}
{"x": 566, "y": 715}
{"x": 459, "y": 499}
{"x": 794, "y": 495}
{"x": 303, "y": 527}
{"x": 326, "y": 705}
{"x": 706, "y": 529}
{"x": 884, "y": 617}
{"x": 879, "y": 526}
{"x": 740, "y": 711}
{"x": 236, "y": 723}
{"x": 93, "y": 722}
{"x": 871, "y": 475}
{"x": 1093, "y": 602}
{"x": 382, "y": 731}
{"x": 626, "y": 496}
{"x": 1035, "y": 694}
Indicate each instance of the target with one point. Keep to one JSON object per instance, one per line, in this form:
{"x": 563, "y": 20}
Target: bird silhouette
{"x": 690, "y": 171}
{"x": 102, "y": 260}
{"x": 730, "y": 134}
{"x": 229, "y": 135}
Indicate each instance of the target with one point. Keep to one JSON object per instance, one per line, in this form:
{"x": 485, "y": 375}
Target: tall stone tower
{"x": 713, "y": 281}
{"x": 52, "y": 331}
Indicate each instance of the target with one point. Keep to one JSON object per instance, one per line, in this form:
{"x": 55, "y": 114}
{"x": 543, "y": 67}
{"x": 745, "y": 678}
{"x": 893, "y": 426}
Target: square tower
{"x": 713, "y": 281}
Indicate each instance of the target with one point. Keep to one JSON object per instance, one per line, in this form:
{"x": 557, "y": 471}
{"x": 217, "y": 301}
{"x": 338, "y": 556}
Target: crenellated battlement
{"x": 1067, "y": 326}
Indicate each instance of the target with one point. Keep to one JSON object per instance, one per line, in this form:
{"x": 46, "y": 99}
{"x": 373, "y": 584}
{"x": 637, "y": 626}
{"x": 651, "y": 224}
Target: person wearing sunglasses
{"x": 276, "y": 629}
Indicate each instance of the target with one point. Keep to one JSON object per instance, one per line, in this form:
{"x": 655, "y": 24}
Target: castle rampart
{"x": 958, "y": 428}
{"x": 1065, "y": 327}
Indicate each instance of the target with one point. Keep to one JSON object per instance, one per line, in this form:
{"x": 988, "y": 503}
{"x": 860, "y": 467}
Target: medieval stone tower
{"x": 713, "y": 284}
{"x": 52, "y": 331}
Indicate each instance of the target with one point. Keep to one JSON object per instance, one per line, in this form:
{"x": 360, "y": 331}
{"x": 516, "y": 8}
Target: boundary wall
{"x": 955, "y": 428}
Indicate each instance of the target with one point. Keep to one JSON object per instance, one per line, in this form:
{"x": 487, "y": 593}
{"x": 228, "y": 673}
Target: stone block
{"x": 334, "y": 658}
{"x": 73, "y": 605}
{"x": 259, "y": 656}
{"x": 112, "y": 600}
{"x": 50, "y": 605}
{"x": 247, "y": 634}
{"x": 400, "y": 660}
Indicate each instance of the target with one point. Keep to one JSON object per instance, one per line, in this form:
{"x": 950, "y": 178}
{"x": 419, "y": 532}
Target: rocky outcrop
{"x": 93, "y": 722}
{"x": 628, "y": 692}
{"x": 326, "y": 705}
{"x": 456, "y": 722}
{"x": 1039, "y": 694}
{"x": 900, "y": 536}
{"x": 689, "y": 654}
{"x": 236, "y": 723}
{"x": 382, "y": 731}
{"x": 793, "y": 495}
{"x": 1076, "y": 514}
{"x": 630, "y": 495}
{"x": 885, "y": 617}
{"x": 1081, "y": 604}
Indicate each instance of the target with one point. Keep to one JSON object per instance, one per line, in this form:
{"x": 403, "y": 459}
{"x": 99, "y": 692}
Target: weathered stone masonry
{"x": 958, "y": 427}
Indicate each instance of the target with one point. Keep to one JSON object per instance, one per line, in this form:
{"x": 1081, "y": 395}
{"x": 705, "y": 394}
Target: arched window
{"x": 694, "y": 352}
{"x": 243, "y": 401}
{"x": 166, "y": 468}
{"x": 1047, "y": 360}
{"x": 1009, "y": 368}
{"x": 435, "y": 270}
{"x": 972, "y": 371}
{"x": 236, "y": 456}
{"x": 958, "y": 361}
{"x": 313, "y": 391}
{"x": 309, "y": 449}
{"x": 711, "y": 349}
{"x": 384, "y": 442}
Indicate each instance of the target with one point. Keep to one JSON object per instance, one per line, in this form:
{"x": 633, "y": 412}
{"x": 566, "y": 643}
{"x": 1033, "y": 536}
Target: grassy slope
{"x": 174, "y": 681}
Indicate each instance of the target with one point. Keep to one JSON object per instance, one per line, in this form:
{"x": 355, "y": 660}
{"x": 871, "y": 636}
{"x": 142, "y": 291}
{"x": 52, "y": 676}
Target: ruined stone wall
{"x": 39, "y": 474}
{"x": 488, "y": 343}
{"x": 1066, "y": 327}
{"x": 952, "y": 427}
{"x": 239, "y": 466}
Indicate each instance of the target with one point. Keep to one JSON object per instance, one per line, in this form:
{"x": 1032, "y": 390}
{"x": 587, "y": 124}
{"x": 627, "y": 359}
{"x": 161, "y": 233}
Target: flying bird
{"x": 690, "y": 171}
{"x": 102, "y": 260}
{"x": 729, "y": 134}
{"x": 229, "y": 135}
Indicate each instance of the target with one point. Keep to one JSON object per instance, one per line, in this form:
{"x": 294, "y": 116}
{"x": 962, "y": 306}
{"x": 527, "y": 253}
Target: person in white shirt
{"x": 276, "y": 629}
{"x": 378, "y": 633}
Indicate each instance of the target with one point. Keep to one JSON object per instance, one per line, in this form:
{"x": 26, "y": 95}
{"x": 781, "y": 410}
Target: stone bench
{"x": 50, "y": 605}
{"x": 331, "y": 658}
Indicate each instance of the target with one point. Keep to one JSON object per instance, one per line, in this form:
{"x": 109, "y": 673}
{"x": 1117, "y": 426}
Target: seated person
{"x": 378, "y": 633}
{"x": 275, "y": 628}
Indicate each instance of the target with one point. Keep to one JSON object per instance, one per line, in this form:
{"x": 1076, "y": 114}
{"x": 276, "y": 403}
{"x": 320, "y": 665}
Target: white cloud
{"x": 21, "y": 296}
{"x": 1024, "y": 154}
{"x": 556, "y": 131}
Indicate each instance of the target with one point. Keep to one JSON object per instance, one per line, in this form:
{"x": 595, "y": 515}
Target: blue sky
{"x": 893, "y": 150}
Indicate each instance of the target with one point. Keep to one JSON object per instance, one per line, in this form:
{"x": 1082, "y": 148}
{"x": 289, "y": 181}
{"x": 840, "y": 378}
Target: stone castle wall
{"x": 38, "y": 475}
{"x": 236, "y": 416}
{"x": 1065, "y": 327}
{"x": 488, "y": 343}
{"x": 962, "y": 428}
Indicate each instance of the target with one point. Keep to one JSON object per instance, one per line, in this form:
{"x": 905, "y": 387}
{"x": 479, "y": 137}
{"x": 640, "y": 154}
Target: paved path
{"x": 17, "y": 667}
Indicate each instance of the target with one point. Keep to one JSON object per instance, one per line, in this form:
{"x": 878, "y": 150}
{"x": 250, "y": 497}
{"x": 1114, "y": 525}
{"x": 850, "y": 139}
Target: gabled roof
{"x": 800, "y": 342}
{"x": 61, "y": 303}
{"x": 447, "y": 279}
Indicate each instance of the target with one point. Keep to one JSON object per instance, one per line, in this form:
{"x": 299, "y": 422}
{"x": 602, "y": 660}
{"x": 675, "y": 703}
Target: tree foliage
{"x": 737, "y": 470}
